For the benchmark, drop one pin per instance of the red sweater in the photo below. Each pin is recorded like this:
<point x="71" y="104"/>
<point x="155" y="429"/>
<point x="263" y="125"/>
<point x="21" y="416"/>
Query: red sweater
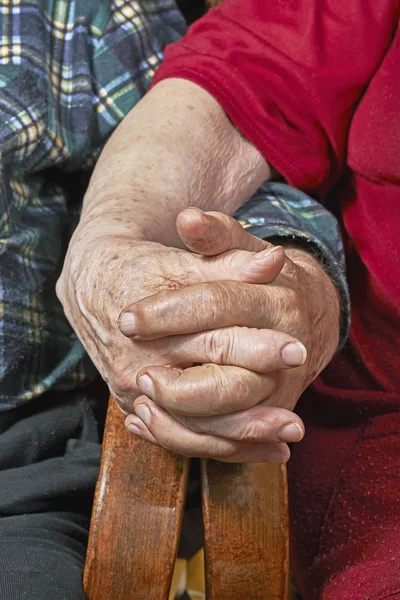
<point x="315" y="86"/>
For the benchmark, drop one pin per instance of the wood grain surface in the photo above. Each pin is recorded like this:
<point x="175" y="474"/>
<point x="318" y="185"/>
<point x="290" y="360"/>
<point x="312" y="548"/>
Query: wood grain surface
<point x="136" y="519"/>
<point x="245" y="512"/>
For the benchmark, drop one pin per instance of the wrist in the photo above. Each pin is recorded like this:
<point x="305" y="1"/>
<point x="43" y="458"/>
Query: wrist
<point x="98" y="231"/>
<point x="175" y="149"/>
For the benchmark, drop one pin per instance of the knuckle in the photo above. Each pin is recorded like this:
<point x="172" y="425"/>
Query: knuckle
<point x="258" y="429"/>
<point x="142" y="311"/>
<point x="230" y="452"/>
<point x="250" y="429"/>
<point x="214" y="298"/>
<point x="250" y="432"/>
<point x="218" y="346"/>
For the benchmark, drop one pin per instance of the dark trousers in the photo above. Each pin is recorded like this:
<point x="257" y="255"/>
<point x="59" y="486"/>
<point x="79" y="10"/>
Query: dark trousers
<point x="49" y="458"/>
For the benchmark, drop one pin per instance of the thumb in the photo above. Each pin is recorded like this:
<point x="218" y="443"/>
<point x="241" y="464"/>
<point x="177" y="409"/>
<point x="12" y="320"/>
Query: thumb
<point x="226" y="249"/>
<point x="212" y="233"/>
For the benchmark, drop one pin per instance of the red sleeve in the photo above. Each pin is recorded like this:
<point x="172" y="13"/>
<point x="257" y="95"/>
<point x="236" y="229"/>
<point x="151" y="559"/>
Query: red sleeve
<point x="289" y="74"/>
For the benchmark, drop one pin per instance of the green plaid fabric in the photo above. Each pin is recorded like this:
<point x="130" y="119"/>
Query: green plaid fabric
<point x="70" y="70"/>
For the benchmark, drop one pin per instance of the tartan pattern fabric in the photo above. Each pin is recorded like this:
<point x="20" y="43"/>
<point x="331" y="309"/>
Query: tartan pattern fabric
<point x="70" y="70"/>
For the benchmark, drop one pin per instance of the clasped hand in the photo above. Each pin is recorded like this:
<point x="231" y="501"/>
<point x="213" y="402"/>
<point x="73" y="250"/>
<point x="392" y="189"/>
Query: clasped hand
<point x="211" y="357"/>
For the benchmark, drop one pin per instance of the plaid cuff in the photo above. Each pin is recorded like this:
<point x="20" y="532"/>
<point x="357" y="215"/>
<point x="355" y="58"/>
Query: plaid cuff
<point x="278" y="211"/>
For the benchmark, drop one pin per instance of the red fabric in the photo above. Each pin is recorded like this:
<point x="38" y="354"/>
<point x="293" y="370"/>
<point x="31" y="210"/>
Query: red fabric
<point x="289" y="73"/>
<point x="344" y="484"/>
<point x="315" y="86"/>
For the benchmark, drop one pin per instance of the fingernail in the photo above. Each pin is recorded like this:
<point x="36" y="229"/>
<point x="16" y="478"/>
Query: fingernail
<point x="264" y="254"/>
<point x="146" y="385"/>
<point x="292" y="432"/>
<point x="135" y="430"/>
<point x="294" y="354"/>
<point x="143" y="412"/>
<point x="127" y="324"/>
<point x="276" y="457"/>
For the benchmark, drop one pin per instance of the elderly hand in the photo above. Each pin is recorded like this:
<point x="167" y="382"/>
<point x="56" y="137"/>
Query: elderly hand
<point x="105" y="273"/>
<point x="235" y="406"/>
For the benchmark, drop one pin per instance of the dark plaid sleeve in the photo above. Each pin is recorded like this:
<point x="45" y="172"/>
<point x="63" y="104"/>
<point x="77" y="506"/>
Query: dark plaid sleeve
<point x="279" y="212"/>
<point x="69" y="73"/>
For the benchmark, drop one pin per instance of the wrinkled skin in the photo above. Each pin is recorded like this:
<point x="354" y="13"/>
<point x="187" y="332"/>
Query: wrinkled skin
<point x="227" y="310"/>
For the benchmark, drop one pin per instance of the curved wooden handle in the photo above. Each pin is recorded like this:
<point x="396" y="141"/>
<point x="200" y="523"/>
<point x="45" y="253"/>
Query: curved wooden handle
<point x="137" y="516"/>
<point x="245" y="512"/>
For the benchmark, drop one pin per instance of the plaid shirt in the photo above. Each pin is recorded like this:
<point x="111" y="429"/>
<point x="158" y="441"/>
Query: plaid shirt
<point x="70" y="70"/>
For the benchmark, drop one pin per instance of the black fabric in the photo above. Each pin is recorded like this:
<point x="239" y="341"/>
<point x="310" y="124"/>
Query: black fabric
<point x="192" y="533"/>
<point x="191" y="9"/>
<point x="49" y="459"/>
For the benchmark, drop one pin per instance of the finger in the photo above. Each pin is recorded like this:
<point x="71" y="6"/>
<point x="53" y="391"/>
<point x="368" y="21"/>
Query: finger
<point x="207" y="306"/>
<point x="239" y="265"/>
<point x="124" y="397"/>
<point x="172" y="435"/>
<point x="211" y="233"/>
<point x="229" y="247"/>
<point x="236" y="265"/>
<point x="205" y="390"/>
<point x="261" y="453"/>
<point x="138" y="428"/>
<point x="122" y="383"/>
<point x="257" y="424"/>
<point x="261" y="350"/>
